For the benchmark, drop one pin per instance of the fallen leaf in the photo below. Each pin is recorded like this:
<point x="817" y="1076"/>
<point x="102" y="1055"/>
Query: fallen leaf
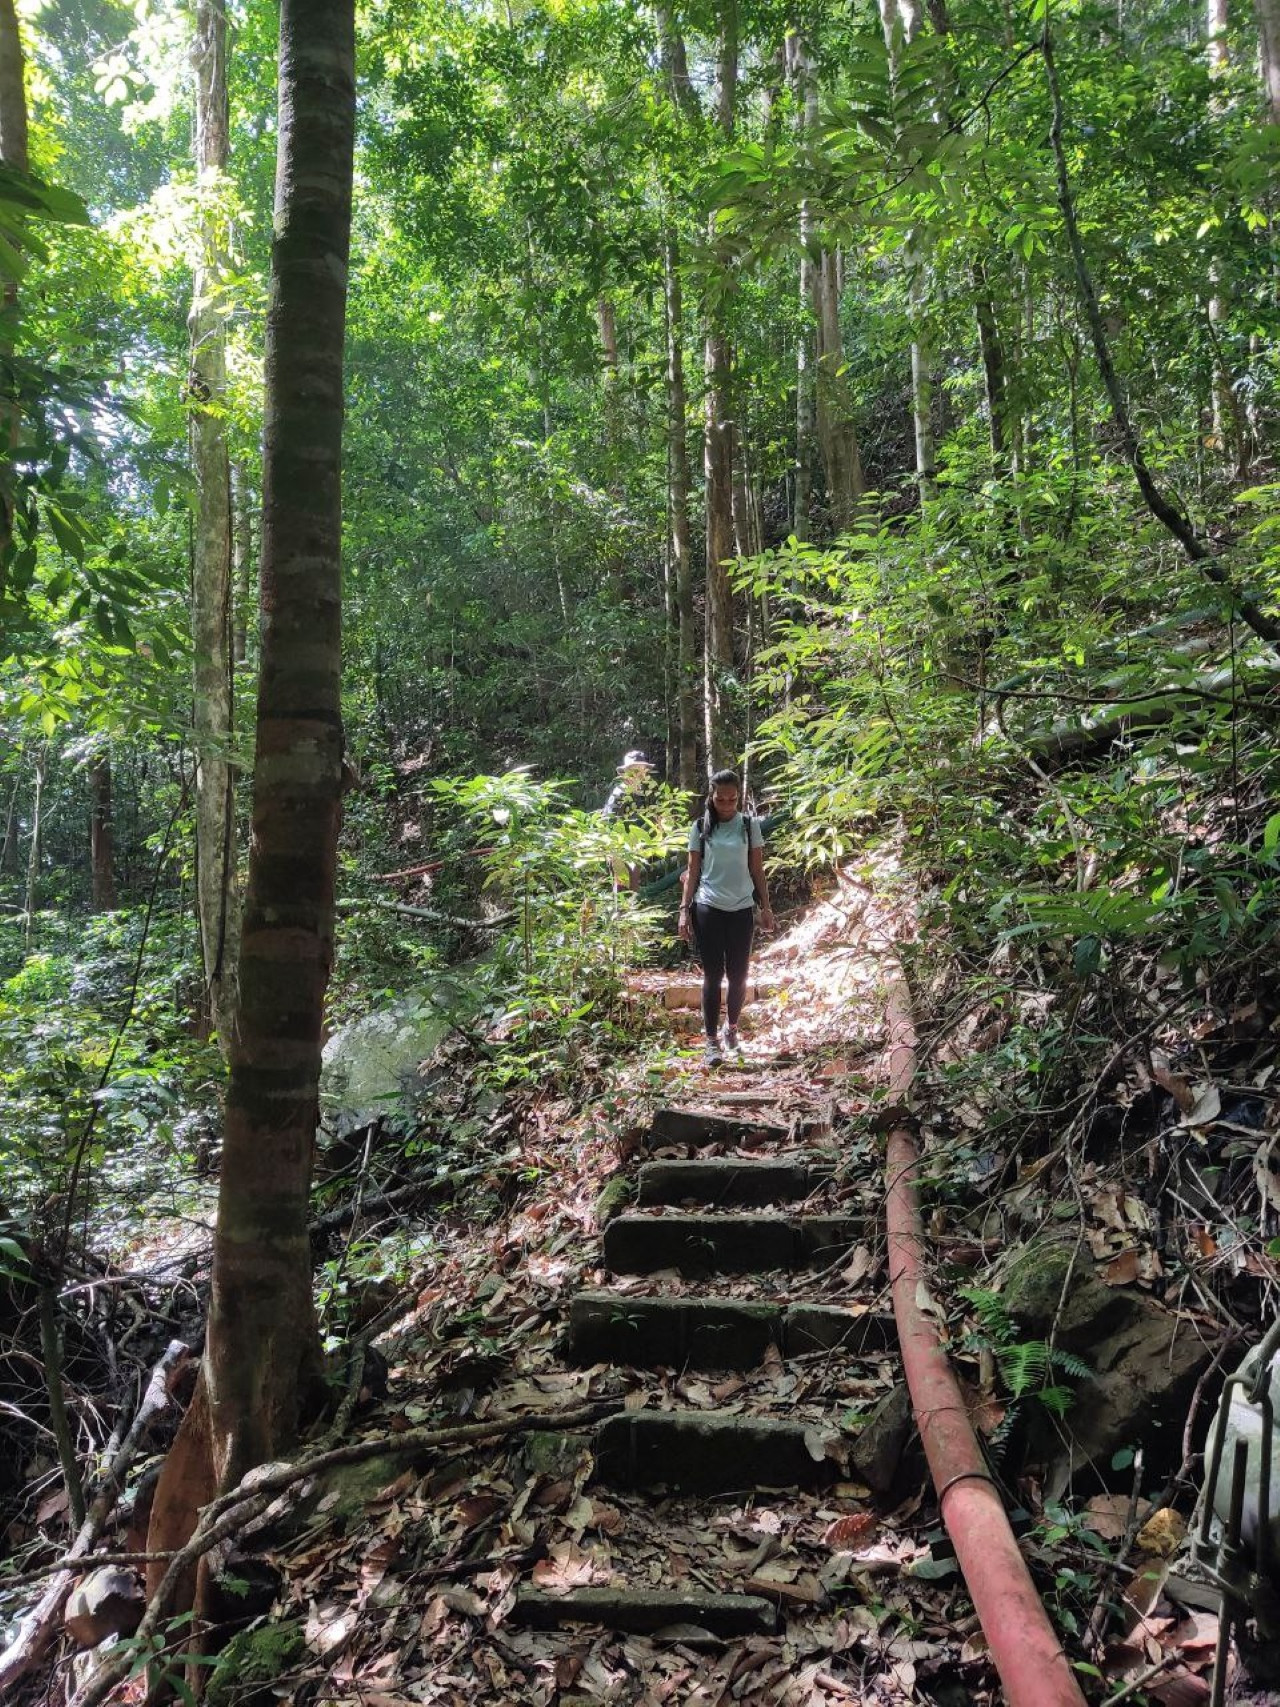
<point x="1207" y="1106"/>
<point x="852" y="1531"/>
<point x="1108" y="1515"/>
<point x="1122" y="1270"/>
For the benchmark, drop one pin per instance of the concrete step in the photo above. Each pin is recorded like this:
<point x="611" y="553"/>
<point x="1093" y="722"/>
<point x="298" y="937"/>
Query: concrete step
<point x="726" y="1244"/>
<point x="647" y="1612"/>
<point x="695" y="1126"/>
<point x="720" y="1181"/>
<point x="706" y="1452"/>
<point x="713" y="1333"/>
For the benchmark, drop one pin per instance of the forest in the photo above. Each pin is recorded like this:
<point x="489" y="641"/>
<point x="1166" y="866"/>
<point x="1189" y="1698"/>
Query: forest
<point x="407" y="411"/>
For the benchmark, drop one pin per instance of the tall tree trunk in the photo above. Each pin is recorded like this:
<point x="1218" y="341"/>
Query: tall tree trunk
<point x="102" y="835"/>
<point x="1228" y="423"/>
<point x="992" y="353"/>
<point x="262" y="1334"/>
<point x="1268" y="14"/>
<point x="717" y="444"/>
<point x="241" y="562"/>
<point x="806" y="87"/>
<point x="33" y="850"/>
<point x="681" y="541"/>
<point x="217" y="887"/>
<point x="899" y="20"/>
<point x="837" y="435"/>
<point x="14" y="153"/>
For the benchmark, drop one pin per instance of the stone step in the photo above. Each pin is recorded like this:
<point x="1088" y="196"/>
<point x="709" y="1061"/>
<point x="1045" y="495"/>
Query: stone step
<point x="696" y="1126"/>
<point x="706" y="1452"/>
<point x="648" y="1612"/>
<point x="723" y="1180"/>
<point x="726" y="1244"/>
<point x="713" y="1333"/>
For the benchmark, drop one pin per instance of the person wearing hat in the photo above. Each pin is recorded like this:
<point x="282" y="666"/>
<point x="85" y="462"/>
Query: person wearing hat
<point x="628" y="798"/>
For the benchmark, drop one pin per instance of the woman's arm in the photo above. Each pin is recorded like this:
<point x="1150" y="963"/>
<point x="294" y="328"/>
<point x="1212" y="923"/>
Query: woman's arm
<point x="689" y="888"/>
<point x="755" y="865"/>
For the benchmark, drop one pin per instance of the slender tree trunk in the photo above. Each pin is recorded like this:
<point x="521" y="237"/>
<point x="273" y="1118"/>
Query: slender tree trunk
<point x="1268" y="14"/>
<point x="992" y="363"/>
<point x="1228" y="424"/>
<point x="241" y="562"/>
<point x="33" y="850"/>
<point x="717" y="445"/>
<point x="102" y="835"/>
<point x="14" y="153"/>
<point x="846" y="486"/>
<point x="262" y="1348"/>
<point x="806" y="86"/>
<point x="899" y="21"/>
<point x="217" y="887"/>
<point x="681" y="541"/>
<point x="9" y="865"/>
<point x="1166" y="510"/>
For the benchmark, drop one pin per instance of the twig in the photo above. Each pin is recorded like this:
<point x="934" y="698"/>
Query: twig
<point x="35" y="1631"/>
<point x="51" y="1346"/>
<point x="225" y="1515"/>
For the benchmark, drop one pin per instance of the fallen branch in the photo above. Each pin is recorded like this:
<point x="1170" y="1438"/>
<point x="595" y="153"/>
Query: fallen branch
<point x="372" y="903"/>
<point x="231" y="1511"/>
<point x="35" y="1631"/>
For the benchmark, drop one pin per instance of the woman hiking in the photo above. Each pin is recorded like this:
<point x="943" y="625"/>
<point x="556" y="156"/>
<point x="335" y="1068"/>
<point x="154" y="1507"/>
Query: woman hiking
<point x="723" y="881"/>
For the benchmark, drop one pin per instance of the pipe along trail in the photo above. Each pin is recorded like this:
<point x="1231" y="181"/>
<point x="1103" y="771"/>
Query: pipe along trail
<point x="1027" y="1654"/>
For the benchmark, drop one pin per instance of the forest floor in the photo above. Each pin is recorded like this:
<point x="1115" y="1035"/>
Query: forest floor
<point x="413" y="1593"/>
<point x="406" y="1580"/>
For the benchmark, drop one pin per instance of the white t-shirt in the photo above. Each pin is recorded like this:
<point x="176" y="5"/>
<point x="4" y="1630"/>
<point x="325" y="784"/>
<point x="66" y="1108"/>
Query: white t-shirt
<point x="726" y="878"/>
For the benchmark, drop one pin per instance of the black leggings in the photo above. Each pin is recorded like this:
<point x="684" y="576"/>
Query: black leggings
<point x="724" y="942"/>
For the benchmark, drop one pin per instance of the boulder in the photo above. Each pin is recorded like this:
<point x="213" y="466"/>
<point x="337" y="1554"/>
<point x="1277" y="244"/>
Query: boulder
<point x="1145" y="1360"/>
<point x="372" y="1067"/>
<point x="108" y="1602"/>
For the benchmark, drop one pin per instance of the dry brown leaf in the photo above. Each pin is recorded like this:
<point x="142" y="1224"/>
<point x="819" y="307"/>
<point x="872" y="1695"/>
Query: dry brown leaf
<point x="860" y="1265"/>
<point x="1179" y="1688"/>
<point x="852" y="1531"/>
<point x="567" y="1567"/>
<point x="1108" y="1515"/>
<point x="1123" y="1270"/>
<point x="986" y="1413"/>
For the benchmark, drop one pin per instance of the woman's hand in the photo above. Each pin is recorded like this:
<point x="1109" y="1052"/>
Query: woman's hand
<point x="684" y="929"/>
<point x="767" y="920"/>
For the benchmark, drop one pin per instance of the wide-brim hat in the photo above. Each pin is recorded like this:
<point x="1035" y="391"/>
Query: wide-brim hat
<point x="634" y="760"/>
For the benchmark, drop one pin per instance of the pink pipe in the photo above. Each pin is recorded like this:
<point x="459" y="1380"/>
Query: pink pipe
<point x="1027" y="1654"/>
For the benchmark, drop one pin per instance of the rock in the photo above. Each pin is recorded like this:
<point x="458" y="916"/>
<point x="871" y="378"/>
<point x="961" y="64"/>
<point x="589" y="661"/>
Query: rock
<point x="109" y="1602"/>
<point x="337" y="1495"/>
<point x="615" y="1197"/>
<point x="372" y="1067"/>
<point x="1145" y="1362"/>
<point x="882" y="1440"/>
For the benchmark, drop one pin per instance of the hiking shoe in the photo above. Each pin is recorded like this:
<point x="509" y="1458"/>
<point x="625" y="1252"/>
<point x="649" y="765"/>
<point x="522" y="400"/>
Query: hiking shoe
<point x="731" y="1038"/>
<point x="714" y="1055"/>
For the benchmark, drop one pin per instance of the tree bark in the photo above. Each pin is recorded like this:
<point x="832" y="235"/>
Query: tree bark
<point x="13" y="152"/>
<point x="102" y="835"/>
<point x="217" y="886"/>
<point x="262" y="1342"/>
<point x="806" y="87"/>
<point x="837" y="435"/>
<point x="992" y="354"/>
<point x="681" y="540"/>
<point x="241" y="562"/>
<point x="899" y="21"/>
<point x="717" y="444"/>
<point x="1268" y="15"/>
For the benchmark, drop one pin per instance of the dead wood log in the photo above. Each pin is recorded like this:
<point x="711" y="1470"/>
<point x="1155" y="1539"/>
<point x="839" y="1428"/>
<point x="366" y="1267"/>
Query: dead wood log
<point x="1081" y="741"/>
